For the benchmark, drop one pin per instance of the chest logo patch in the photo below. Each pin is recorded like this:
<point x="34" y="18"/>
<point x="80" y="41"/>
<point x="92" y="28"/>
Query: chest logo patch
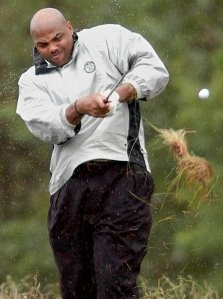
<point x="89" y="67"/>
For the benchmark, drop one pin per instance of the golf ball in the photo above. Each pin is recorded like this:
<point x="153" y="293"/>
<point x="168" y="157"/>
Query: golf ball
<point x="204" y="94"/>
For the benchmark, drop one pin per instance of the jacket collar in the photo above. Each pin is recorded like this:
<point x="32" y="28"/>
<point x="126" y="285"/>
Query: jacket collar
<point x="41" y="65"/>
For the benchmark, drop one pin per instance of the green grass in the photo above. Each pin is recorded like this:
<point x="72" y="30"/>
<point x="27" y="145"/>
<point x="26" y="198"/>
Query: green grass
<point x="185" y="288"/>
<point x="27" y="288"/>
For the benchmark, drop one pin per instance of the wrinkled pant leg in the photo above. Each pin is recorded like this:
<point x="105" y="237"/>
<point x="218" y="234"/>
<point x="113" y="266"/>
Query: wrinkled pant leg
<point x="71" y="243"/>
<point x="120" y="240"/>
<point x="75" y="266"/>
<point x="117" y="266"/>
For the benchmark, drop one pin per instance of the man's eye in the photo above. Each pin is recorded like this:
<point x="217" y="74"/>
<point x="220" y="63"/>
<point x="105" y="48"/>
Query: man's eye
<point x="57" y="38"/>
<point x="42" y="46"/>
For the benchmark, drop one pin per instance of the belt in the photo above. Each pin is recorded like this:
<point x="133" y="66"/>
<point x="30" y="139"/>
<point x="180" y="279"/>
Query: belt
<point x="98" y="165"/>
<point x="101" y="165"/>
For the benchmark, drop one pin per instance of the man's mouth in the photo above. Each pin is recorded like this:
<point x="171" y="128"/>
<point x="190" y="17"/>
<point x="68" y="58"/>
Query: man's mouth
<point x="56" y="55"/>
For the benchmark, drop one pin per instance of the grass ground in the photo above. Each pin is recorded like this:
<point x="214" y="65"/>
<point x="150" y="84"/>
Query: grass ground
<point x="185" y="288"/>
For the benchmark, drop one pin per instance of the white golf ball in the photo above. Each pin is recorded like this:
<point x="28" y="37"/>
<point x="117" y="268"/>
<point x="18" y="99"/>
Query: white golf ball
<point x="204" y="94"/>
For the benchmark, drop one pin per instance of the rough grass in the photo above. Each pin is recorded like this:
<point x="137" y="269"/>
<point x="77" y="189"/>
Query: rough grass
<point x="185" y="288"/>
<point x="27" y="288"/>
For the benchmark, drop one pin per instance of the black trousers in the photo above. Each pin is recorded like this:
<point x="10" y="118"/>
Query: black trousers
<point x="99" y="224"/>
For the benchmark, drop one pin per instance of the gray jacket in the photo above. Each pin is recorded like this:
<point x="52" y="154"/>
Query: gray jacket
<point x="101" y="55"/>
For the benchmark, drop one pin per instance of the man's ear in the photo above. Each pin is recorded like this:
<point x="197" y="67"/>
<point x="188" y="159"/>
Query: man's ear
<point x="70" y="26"/>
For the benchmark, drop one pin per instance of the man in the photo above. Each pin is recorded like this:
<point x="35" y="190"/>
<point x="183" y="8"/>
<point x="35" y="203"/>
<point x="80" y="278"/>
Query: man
<point x="100" y="216"/>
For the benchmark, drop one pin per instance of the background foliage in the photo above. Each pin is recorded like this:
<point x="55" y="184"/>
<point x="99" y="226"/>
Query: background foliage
<point x="187" y="235"/>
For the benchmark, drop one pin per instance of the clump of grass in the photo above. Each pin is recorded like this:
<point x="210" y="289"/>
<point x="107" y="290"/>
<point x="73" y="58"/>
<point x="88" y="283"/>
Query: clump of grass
<point x="175" y="140"/>
<point x="191" y="169"/>
<point x="196" y="169"/>
<point x="27" y="288"/>
<point x="184" y="288"/>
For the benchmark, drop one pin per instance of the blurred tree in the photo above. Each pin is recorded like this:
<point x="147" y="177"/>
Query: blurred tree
<point x="23" y="165"/>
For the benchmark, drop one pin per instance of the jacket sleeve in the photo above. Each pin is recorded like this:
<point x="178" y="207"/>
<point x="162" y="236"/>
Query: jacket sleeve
<point x="43" y="118"/>
<point x="131" y="53"/>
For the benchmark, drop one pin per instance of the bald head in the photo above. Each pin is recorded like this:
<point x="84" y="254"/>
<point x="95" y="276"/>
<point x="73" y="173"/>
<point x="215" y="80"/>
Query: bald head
<point x="52" y="36"/>
<point x="46" y="18"/>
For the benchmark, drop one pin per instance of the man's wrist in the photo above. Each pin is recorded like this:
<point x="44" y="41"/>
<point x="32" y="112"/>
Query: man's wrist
<point x="73" y="115"/>
<point x="127" y="92"/>
<point x="77" y="110"/>
<point x="134" y="95"/>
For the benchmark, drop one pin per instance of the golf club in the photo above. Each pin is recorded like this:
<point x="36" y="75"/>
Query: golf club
<point x="114" y="87"/>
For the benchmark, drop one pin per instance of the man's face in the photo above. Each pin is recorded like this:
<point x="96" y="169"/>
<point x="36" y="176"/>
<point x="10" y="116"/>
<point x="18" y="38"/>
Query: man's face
<point x="55" y="43"/>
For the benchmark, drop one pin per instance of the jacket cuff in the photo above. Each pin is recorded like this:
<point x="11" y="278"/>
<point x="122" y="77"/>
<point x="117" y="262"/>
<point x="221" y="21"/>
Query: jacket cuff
<point x="68" y="127"/>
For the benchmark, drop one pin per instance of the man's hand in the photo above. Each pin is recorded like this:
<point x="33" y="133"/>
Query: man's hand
<point x="97" y="105"/>
<point x="94" y="105"/>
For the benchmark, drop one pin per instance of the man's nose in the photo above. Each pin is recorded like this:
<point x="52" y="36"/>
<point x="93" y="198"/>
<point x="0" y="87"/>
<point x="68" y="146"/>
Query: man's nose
<point x="53" y="48"/>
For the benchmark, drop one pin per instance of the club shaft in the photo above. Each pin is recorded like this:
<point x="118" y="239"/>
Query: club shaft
<point x="115" y="86"/>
